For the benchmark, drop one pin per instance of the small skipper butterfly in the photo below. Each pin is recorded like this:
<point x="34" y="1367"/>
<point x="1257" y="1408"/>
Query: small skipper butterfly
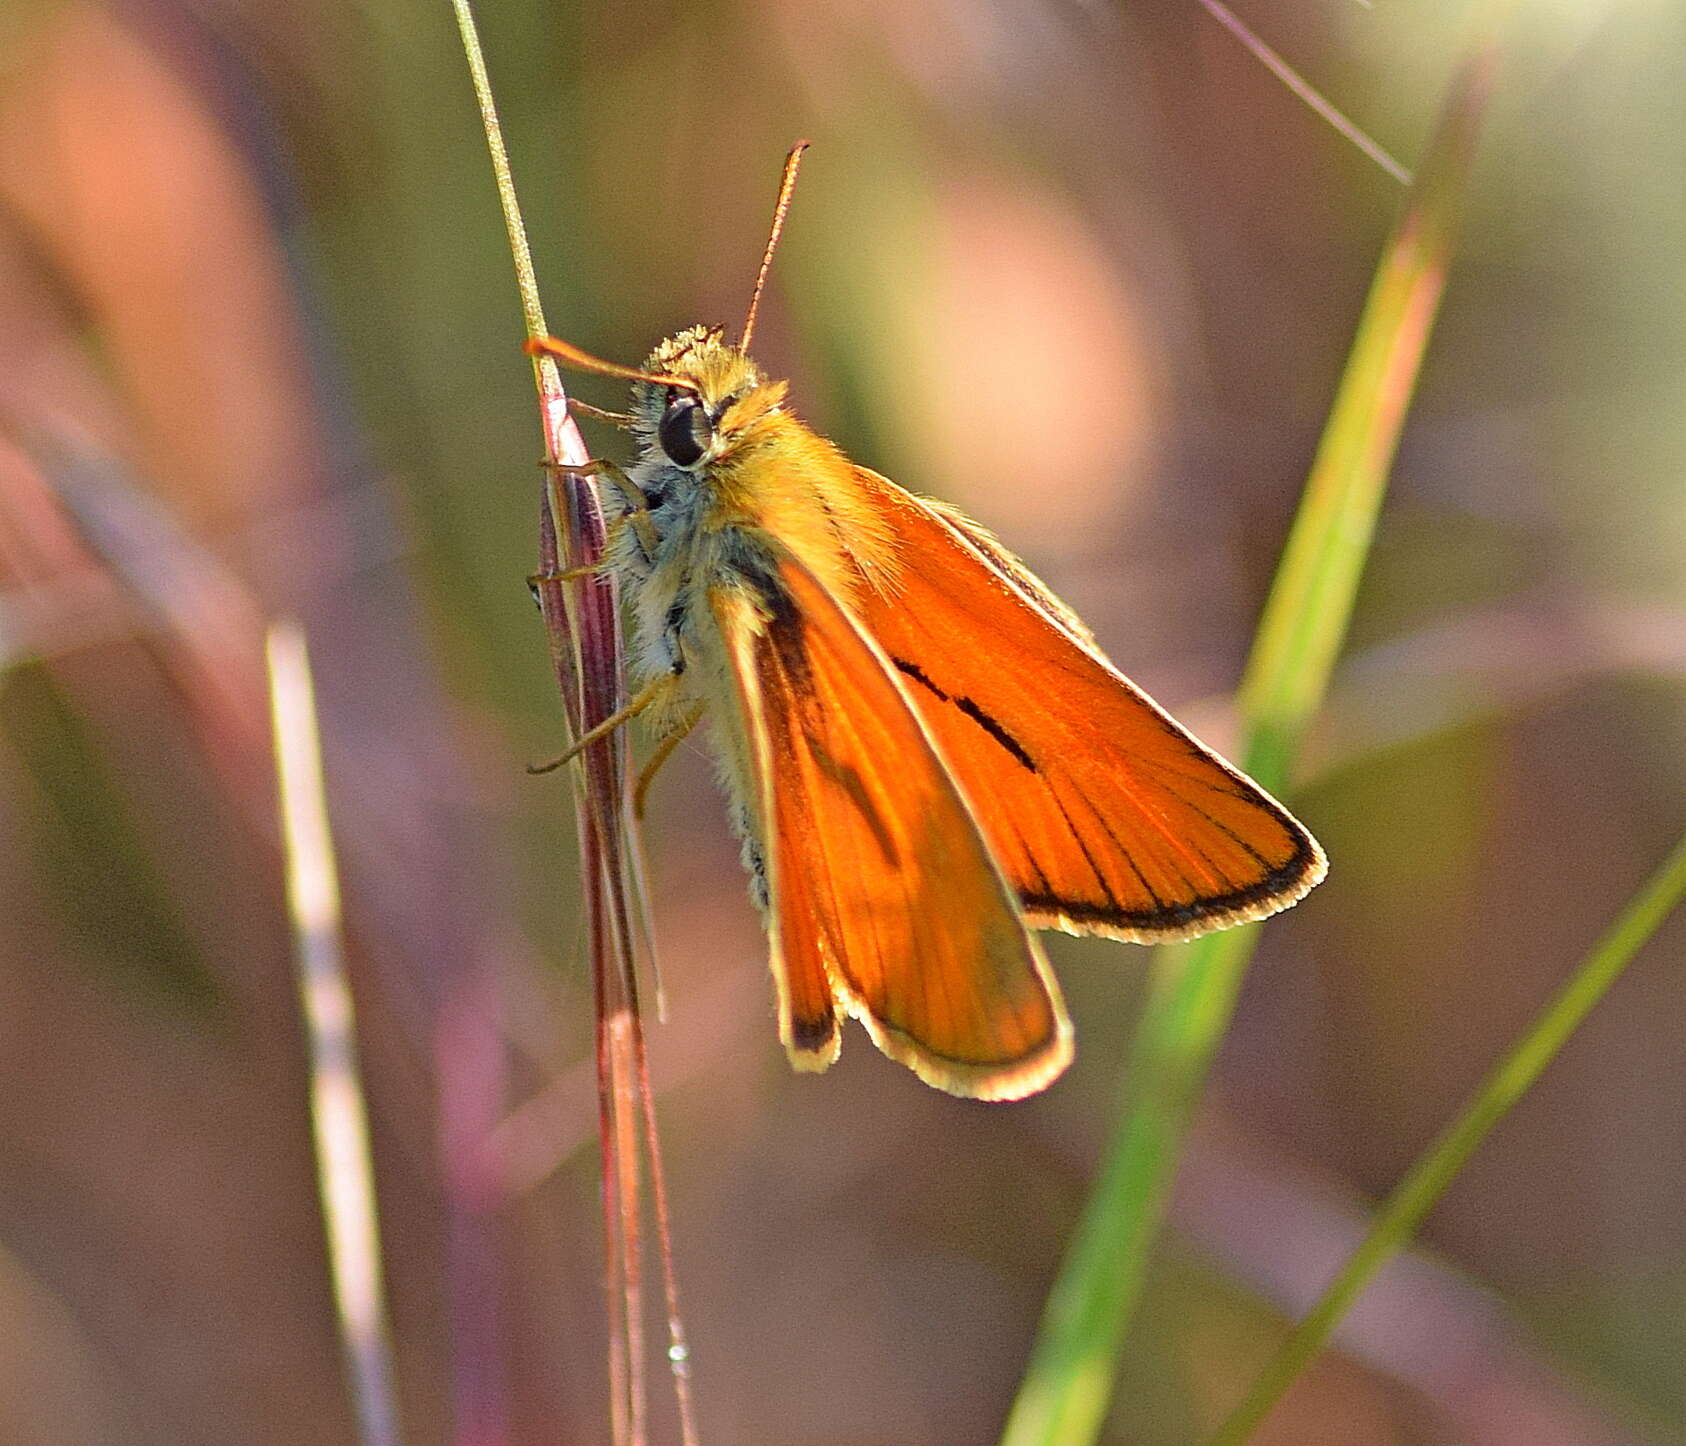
<point x="926" y="752"/>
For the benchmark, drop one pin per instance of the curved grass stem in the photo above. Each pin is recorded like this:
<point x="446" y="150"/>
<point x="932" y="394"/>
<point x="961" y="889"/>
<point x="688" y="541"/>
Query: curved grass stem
<point x="1067" y="1387"/>
<point x="1403" y="1211"/>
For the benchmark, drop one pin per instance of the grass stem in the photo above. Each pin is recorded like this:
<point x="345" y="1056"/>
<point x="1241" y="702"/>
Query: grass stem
<point x="1403" y="1211"/>
<point x="338" y="1115"/>
<point x="1067" y="1387"/>
<point x="582" y="625"/>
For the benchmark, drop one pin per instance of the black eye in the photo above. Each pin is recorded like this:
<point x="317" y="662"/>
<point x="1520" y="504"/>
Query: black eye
<point x="685" y="431"/>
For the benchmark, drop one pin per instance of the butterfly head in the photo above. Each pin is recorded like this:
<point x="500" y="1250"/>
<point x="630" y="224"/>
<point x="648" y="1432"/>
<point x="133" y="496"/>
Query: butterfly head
<point x="715" y="402"/>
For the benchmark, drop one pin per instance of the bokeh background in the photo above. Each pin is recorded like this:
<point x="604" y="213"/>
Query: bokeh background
<point x="1087" y="270"/>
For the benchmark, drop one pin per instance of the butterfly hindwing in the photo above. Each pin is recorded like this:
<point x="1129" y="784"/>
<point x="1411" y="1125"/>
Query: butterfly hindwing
<point x="882" y="891"/>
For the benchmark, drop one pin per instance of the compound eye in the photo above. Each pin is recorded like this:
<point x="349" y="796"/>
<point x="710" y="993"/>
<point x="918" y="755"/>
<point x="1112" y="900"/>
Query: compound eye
<point x="685" y="430"/>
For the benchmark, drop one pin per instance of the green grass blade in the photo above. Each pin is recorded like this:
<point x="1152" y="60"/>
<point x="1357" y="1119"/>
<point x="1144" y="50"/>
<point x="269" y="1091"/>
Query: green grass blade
<point x="1416" y="1194"/>
<point x="1067" y="1386"/>
<point x="532" y="311"/>
<point x="1310" y="604"/>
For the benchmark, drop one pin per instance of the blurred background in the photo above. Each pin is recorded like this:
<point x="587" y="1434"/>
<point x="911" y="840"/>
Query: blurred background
<point x="1087" y="270"/>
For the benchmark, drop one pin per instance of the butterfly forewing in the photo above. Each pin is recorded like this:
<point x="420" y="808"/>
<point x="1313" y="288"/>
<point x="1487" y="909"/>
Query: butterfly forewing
<point x="882" y="888"/>
<point x="1104" y="814"/>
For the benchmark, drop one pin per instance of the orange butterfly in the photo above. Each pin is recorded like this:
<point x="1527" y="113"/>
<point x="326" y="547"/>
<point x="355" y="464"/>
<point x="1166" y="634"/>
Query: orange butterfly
<point x="926" y="750"/>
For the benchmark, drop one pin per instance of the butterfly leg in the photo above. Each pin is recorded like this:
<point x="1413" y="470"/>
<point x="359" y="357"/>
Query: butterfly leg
<point x="585" y="570"/>
<point x="652" y="692"/>
<point x="664" y="751"/>
<point x="567" y="574"/>
<point x="637" y="505"/>
<point x="622" y="420"/>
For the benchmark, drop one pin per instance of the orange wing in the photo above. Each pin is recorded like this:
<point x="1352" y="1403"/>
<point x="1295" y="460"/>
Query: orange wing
<point x="884" y="898"/>
<point x="1104" y="814"/>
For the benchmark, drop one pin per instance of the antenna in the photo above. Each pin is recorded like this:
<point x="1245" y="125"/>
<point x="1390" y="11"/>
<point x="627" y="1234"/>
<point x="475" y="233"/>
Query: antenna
<point x="792" y="163"/>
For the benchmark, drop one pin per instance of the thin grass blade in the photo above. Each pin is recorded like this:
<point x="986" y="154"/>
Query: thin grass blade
<point x="1403" y="1211"/>
<point x="582" y="625"/>
<point x="1303" y="90"/>
<point x="338" y="1115"/>
<point x="1067" y="1386"/>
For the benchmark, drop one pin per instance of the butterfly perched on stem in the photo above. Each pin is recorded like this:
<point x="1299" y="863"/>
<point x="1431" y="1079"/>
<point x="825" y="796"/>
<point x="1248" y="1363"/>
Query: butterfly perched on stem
<point x="926" y="752"/>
